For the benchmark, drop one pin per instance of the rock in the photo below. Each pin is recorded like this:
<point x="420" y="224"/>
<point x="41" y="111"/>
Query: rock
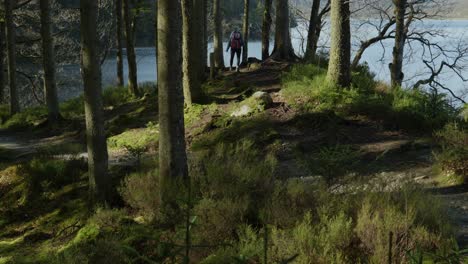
<point x="242" y="111"/>
<point x="258" y="102"/>
<point x="263" y="98"/>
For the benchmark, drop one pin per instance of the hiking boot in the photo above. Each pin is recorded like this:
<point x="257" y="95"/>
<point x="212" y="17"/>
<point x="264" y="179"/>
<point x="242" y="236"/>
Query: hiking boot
<point x="238" y="69"/>
<point x="230" y="68"/>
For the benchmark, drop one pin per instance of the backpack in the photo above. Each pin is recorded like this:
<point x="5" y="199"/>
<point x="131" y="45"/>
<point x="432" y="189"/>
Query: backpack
<point x="236" y="41"/>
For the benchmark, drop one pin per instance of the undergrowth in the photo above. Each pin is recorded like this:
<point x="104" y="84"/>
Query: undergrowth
<point x="305" y="87"/>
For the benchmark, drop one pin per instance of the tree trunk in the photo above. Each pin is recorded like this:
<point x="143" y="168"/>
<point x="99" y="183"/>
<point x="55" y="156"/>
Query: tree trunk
<point x="119" y="27"/>
<point x="172" y="156"/>
<point x="218" y="35"/>
<point x="245" y="32"/>
<point x="205" y="38"/>
<point x="131" y="57"/>
<point x="283" y="50"/>
<point x="156" y="35"/>
<point x="339" y="71"/>
<point x="266" y="27"/>
<point x="48" y="63"/>
<point x="191" y="51"/>
<point x="2" y="55"/>
<point x="99" y="181"/>
<point x="312" y="37"/>
<point x="396" y="68"/>
<point x="11" y="56"/>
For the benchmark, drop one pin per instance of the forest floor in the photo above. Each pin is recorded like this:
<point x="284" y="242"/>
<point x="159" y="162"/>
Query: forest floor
<point x="386" y="157"/>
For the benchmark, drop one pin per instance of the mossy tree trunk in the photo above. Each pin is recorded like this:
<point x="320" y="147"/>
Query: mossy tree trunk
<point x="131" y="56"/>
<point x="245" y="31"/>
<point x="48" y="63"/>
<point x="266" y="28"/>
<point x="119" y="33"/>
<point x="396" y="68"/>
<point x="172" y="156"/>
<point x="191" y="50"/>
<point x="283" y="50"/>
<point x="99" y="180"/>
<point x="312" y="37"/>
<point x="218" y="34"/>
<point x="2" y="56"/>
<point x="339" y="71"/>
<point x="11" y="56"/>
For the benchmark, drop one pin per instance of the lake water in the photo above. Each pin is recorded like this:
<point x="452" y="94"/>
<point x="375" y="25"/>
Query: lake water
<point x="378" y="56"/>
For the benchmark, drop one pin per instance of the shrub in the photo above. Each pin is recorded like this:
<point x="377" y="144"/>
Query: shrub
<point x="141" y="192"/>
<point x="453" y="156"/>
<point x="232" y="182"/>
<point x="412" y="221"/>
<point x="335" y="161"/>
<point x="325" y="242"/>
<point x="73" y="108"/>
<point x="115" y="96"/>
<point x="219" y="219"/>
<point x="306" y="89"/>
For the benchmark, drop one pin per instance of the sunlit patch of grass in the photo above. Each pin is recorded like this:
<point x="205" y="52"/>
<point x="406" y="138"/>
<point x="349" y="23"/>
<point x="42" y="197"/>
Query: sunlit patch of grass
<point x="258" y="129"/>
<point x="194" y="113"/>
<point x="146" y="138"/>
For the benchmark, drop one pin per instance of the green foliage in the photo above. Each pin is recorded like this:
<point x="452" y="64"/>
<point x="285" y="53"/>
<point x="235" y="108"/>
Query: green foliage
<point x="332" y="162"/>
<point x="410" y="219"/>
<point x="452" y="159"/>
<point x="136" y="139"/>
<point x="258" y="130"/>
<point x="42" y="175"/>
<point x="249" y="177"/>
<point x="141" y="192"/>
<point x="305" y="87"/>
<point x="27" y="118"/>
<point x="73" y="108"/>
<point x="194" y="113"/>
<point x="115" y="96"/>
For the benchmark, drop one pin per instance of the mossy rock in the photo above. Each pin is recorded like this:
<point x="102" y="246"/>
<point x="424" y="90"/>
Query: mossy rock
<point x="258" y="102"/>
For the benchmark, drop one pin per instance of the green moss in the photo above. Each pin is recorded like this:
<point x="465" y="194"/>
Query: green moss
<point x="145" y="138"/>
<point x="257" y="129"/>
<point x="29" y="117"/>
<point x="195" y="112"/>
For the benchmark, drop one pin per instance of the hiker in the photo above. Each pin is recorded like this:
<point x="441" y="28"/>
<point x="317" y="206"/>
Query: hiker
<point x="235" y="44"/>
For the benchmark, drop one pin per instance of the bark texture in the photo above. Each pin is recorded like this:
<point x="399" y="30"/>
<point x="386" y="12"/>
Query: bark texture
<point x="172" y="156"/>
<point x="130" y="41"/>
<point x="396" y="68"/>
<point x="283" y="50"/>
<point x="266" y="28"/>
<point x="99" y="182"/>
<point x="312" y="37"/>
<point x="48" y="63"/>
<point x="119" y="33"/>
<point x="218" y="35"/>
<point x="11" y="56"/>
<point x="2" y="61"/>
<point x="191" y="51"/>
<point x="339" y="71"/>
<point x="205" y="38"/>
<point x="245" y="31"/>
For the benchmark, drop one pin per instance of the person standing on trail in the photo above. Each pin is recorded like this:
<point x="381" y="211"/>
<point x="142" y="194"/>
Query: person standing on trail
<point x="235" y="44"/>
